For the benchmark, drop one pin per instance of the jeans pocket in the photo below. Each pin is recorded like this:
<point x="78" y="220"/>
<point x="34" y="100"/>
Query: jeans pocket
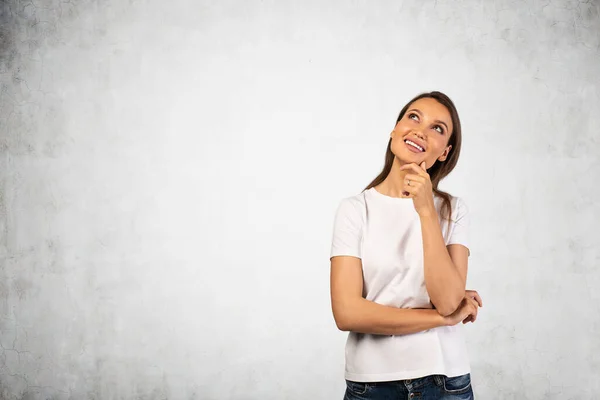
<point x="457" y="384"/>
<point x="357" y="387"/>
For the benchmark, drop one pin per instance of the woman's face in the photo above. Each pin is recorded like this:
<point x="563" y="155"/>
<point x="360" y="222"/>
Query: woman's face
<point x="428" y="125"/>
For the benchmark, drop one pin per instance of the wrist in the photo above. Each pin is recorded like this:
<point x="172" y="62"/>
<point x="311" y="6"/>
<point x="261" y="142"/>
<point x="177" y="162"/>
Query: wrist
<point x="427" y="213"/>
<point x="441" y="320"/>
<point x="444" y="321"/>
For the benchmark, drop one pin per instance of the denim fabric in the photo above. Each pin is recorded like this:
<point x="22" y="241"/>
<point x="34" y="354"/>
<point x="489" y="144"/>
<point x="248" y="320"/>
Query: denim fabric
<point x="432" y="387"/>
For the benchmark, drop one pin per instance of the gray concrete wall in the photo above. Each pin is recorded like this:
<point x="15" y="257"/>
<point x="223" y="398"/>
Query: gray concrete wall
<point x="170" y="170"/>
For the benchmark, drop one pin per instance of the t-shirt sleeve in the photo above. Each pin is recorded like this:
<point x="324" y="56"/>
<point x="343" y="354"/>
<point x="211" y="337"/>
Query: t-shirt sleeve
<point x="460" y="224"/>
<point x="347" y="230"/>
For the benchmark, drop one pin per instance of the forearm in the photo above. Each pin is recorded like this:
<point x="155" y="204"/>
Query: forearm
<point x="365" y="316"/>
<point x="443" y="282"/>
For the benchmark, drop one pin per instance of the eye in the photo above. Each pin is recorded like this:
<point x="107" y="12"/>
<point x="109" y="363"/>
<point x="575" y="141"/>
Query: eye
<point x="411" y="115"/>
<point x="439" y="129"/>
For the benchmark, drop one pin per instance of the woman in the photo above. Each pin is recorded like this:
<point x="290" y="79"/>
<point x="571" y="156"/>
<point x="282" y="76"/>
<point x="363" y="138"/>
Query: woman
<point x="399" y="266"/>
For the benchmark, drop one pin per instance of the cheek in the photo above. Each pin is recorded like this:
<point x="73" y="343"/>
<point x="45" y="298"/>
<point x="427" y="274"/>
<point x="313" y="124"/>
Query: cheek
<point x="438" y="146"/>
<point x="402" y="125"/>
<point x="398" y="145"/>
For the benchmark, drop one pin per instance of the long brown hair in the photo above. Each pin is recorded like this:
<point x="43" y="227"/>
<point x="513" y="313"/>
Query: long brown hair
<point x="440" y="169"/>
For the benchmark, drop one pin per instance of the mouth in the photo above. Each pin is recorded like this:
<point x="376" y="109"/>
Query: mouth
<point x="412" y="146"/>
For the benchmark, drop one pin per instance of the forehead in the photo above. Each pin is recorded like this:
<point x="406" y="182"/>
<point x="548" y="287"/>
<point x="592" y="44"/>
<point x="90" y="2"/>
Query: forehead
<point x="433" y="110"/>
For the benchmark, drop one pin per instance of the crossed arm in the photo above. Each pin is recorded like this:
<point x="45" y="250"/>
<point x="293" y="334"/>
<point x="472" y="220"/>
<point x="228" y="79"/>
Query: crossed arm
<point x="445" y="276"/>
<point x="445" y="267"/>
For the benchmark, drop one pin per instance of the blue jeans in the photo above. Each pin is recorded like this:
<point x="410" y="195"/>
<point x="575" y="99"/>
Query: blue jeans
<point x="432" y="387"/>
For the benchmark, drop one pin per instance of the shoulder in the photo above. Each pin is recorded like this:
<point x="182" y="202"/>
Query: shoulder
<point x="458" y="205"/>
<point x="352" y="205"/>
<point x="458" y="202"/>
<point x="459" y="208"/>
<point x="354" y="200"/>
<point x="357" y="200"/>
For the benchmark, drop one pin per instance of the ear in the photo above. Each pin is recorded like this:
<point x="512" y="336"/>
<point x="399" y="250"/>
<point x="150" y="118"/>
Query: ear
<point x="445" y="154"/>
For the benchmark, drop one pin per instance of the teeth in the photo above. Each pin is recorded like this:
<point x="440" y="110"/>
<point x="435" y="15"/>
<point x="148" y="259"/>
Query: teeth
<point x="413" y="144"/>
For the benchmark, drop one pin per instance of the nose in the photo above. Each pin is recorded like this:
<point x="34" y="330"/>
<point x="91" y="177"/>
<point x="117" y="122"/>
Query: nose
<point x="420" y="135"/>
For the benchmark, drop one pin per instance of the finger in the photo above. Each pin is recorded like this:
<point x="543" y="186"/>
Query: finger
<point x="414" y="167"/>
<point x="412" y="182"/>
<point x="473" y="306"/>
<point x="474" y="295"/>
<point x="475" y="310"/>
<point x="415" y="178"/>
<point x="474" y="302"/>
<point x="469" y="318"/>
<point x="412" y="185"/>
<point x="478" y="298"/>
<point x="423" y="165"/>
<point x="412" y="190"/>
<point x="474" y="315"/>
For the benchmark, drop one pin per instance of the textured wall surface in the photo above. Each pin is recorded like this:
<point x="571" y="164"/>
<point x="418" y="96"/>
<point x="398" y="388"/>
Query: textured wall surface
<point x="170" y="170"/>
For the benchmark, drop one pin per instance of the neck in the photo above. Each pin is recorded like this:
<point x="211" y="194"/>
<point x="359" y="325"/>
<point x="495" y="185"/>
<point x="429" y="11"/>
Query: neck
<point x="392" y="185"/>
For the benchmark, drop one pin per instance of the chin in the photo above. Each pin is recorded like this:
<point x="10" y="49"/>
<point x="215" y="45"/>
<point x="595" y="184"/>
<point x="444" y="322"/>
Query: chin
<point x="413" y="158"/>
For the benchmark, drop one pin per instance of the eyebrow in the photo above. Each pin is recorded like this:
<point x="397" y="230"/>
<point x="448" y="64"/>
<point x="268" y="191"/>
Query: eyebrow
<point x="437" y="120"/>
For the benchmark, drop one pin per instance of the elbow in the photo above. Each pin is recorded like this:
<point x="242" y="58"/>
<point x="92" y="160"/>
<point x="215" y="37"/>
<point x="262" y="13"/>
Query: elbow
<point x="342" y="326"/>
<point x="342" y="317"/>
<point x="447" y="308"/>
<point x="446" y="311"/>
<point x="342" y="323"/>
<point x="345" y="314"/>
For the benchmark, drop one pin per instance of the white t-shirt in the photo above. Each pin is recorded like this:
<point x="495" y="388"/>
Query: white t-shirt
<point x="385" y="233"/>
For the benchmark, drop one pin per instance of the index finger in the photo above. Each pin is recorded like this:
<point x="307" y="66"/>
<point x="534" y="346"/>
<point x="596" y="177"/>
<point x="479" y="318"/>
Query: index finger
<point x="474" y="295"/>
<point x="414" y="167"/>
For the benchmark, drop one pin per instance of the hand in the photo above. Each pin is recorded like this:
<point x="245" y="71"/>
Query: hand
<point x="466" y="312"/>
<point x="420" y="188"/>
<point x="475" y="296"/>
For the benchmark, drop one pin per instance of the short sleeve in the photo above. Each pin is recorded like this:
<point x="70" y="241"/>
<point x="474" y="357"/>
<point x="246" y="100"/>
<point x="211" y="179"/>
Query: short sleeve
<point x="347" y="230"/>
<point x="460" y="224"/>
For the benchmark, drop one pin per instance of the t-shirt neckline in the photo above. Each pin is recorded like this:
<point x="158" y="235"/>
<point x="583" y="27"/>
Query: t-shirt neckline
<point x="388" y="198"/>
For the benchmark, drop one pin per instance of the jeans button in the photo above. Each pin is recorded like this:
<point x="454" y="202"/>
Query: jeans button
<point x="408" y="381"/>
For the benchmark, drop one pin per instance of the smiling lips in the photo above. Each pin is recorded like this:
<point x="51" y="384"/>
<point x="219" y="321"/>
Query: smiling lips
<point x="412" y="146"/>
